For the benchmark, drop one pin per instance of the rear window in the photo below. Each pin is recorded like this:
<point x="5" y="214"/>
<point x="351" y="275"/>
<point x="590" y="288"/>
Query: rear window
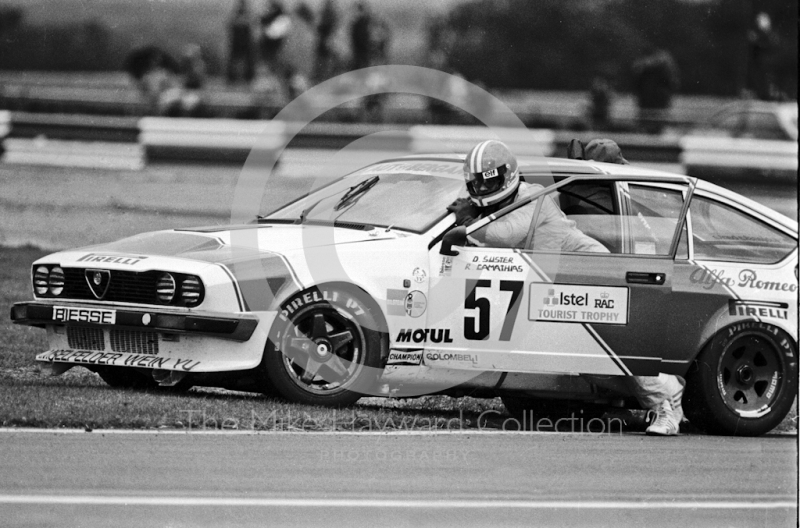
<point x="725" y="234"/>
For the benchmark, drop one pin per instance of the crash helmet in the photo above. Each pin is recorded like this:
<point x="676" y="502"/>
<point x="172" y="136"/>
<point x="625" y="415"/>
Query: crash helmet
<point x="491" y="172"/>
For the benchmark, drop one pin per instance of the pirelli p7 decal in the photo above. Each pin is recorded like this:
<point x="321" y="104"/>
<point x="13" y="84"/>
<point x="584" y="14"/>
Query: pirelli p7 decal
<point x="577" y="303"/>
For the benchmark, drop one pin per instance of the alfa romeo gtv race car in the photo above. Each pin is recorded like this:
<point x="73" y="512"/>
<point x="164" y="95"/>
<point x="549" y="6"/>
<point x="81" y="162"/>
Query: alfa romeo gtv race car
<point x="366" y="286"/>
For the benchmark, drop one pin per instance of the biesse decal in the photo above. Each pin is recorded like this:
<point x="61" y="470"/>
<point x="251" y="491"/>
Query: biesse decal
<point x="65" y="314"/>
<point x="423" y="335"/>
<point x="577" y="303"/>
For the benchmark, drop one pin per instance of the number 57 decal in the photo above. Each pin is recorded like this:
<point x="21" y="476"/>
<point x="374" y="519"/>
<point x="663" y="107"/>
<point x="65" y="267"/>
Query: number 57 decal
<point x="484" y="306"/>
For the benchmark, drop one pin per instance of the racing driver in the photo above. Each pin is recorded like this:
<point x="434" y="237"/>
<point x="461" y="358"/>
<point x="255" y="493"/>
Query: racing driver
<point x="493" y="182"/>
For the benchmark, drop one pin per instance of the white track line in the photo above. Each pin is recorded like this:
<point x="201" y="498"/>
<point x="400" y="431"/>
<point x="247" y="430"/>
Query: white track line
<point x="73" y="500"/>
<point x="235" y="432"/>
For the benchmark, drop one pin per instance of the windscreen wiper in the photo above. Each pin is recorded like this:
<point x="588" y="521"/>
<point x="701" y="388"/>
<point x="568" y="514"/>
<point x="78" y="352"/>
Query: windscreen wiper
<point x="355" y="192"/>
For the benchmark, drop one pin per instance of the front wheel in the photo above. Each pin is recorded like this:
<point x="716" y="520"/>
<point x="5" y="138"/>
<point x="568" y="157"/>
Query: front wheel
<point x="744" y="381"/>
<point x="325" y="348"/>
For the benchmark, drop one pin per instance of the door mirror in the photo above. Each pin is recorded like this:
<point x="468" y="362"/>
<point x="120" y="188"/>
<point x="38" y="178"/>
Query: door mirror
<point x="455" y="237"/>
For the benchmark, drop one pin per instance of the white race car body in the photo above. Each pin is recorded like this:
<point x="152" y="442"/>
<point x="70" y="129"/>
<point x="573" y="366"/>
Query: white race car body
<point x="496" y="318"/>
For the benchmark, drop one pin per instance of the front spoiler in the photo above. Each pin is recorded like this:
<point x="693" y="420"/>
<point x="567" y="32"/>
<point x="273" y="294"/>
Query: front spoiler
<point x="239" y="328"/>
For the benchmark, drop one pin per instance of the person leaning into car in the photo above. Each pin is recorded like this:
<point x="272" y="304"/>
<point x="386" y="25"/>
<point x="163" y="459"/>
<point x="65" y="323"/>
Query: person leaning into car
<point x="492" y="177"/>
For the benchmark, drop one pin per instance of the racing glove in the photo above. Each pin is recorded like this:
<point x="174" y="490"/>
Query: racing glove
<point x="465" y="211"/>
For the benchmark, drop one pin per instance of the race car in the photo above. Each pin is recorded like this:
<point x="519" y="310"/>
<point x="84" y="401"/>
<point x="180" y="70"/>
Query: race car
<point x="367" y="287"/>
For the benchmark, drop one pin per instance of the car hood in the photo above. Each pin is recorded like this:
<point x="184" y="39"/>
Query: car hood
<point x="225" y="244"/>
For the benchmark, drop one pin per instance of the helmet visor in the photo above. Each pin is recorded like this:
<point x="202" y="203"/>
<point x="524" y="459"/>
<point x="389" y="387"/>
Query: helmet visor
<point x="487" y="182"/>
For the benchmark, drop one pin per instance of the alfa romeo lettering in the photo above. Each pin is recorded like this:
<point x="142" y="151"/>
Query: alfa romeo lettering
<point x="84" y="315"/>
<point x="746" y="278"/>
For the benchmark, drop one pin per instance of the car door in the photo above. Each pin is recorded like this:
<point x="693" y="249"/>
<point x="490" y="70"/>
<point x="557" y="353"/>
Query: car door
<point x="580" y="310"/>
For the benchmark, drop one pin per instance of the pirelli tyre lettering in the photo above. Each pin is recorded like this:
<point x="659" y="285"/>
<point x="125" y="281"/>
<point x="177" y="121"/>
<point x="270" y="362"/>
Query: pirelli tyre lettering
<point x="744" y="381"/>
<point x="325" y="348"/>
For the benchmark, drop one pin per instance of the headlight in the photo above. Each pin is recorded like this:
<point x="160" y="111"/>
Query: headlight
<point x="40" y="280"/>
<point x="56" y="281"/>
<point x="191" y="290"/>
<point x="165" y="288"/>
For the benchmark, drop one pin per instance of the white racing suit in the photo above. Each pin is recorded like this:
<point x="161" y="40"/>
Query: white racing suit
<point x="554" y="231"/>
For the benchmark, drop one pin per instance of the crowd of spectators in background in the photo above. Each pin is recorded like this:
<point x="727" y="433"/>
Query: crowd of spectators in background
<point x="258" y="32"/>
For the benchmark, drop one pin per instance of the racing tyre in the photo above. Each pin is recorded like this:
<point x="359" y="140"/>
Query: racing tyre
<point x="325" y="348"/>
<point x="744" y="381"/>
<point x="574" y="414"/>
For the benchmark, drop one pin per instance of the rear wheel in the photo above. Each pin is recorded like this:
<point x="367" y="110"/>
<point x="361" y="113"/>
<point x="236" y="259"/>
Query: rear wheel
<point x="325" y="349"/>
<point x="744" y="381"/>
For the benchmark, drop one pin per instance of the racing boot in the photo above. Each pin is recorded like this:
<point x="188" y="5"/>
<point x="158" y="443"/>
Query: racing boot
<point x="677" y="406"/>
<point x="667" y="421"/>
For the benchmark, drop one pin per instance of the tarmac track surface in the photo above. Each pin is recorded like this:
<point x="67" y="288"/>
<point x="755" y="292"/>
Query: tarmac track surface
<point x="450" y="479"/>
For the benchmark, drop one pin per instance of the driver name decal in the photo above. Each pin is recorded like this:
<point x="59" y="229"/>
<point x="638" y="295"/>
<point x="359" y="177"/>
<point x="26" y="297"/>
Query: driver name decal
<point x="577" y="304"/>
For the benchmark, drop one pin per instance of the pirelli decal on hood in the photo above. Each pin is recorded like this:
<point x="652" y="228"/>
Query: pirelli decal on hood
<point x="577" y="303"/>
<point x="128" y="260"/>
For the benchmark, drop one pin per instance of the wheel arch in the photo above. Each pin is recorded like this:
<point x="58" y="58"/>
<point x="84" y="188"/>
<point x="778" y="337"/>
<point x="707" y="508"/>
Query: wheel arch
<point x="723" y="321"/>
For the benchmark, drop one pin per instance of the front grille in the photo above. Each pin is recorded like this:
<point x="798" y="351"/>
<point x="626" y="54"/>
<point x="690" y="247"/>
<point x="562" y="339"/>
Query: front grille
<point x="134" y="342"/>
<point x="85" y="338"/>
<point x="125" y="286"/>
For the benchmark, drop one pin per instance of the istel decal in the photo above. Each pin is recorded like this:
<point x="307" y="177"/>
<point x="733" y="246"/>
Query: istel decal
<point x="578" y="304"/>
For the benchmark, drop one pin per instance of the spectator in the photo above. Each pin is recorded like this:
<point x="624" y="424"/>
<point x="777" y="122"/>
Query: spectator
<point x="193" y="72"/>
<point x="600" y="103"/>
<point x="655" y="79"/>
<point x="361" y="37"/>
<point x="156" y="75"/>
<point x="241" y="60"/>
<point x="325" y="54"/>
<point x="275" y="27"/>
<point x="762" y="43"/>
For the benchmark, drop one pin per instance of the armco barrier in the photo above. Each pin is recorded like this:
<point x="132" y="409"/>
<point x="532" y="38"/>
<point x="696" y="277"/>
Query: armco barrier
<point x="231" y="140"/>
<point x="75" y="127"/>
<point x="83" y="154"/>
<point x="718" y="158"/>
<point x="223" y="140"/>
<point x="5" y="123"/>
<point x="431" y="138"/>
<point x="5" y="127"/>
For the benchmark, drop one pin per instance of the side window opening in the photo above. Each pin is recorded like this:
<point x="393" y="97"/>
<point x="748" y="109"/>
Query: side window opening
<point x="722" y="233"/>
<point x="592" y="207"/>
<point x="653" y="218"/>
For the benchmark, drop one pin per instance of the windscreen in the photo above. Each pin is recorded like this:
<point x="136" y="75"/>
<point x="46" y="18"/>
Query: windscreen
<point x="410" y="196"/>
